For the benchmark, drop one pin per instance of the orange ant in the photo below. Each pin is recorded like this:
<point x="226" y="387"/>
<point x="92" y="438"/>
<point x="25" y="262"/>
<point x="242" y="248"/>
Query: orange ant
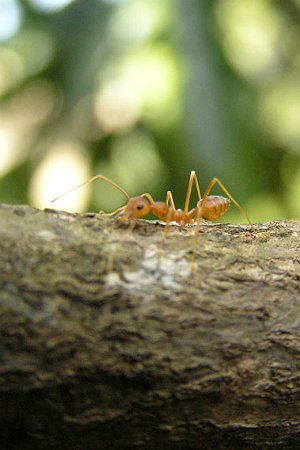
<point x="209" y="207"/>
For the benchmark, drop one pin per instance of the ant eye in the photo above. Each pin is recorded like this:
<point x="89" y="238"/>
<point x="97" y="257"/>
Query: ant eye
<point x="140" y="206"/>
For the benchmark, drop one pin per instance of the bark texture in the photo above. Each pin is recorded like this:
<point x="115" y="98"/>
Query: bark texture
<point x="109" y="340"/>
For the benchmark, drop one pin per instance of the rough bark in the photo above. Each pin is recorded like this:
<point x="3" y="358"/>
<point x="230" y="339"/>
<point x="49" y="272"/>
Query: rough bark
<point x="110" y="340"/>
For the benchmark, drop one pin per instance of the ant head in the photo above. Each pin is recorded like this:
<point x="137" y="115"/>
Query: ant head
<point x="137" y="207"/>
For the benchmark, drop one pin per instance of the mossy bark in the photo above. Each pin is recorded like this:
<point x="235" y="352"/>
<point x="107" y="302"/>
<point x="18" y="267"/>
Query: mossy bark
<point x="111" y="340"/>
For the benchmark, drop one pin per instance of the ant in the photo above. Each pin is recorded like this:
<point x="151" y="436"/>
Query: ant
<point x="209" y="207"/>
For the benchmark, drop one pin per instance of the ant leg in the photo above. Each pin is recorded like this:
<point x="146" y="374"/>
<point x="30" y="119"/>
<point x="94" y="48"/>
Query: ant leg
<point x="217" y="181"/>
<point x="170" y="201"/>
<point x="193" y="179"/>
<point x="97" y="177"/>
<point x="171" y="208"/>
<point x="113" y="213"/>
<point x="149" y="198"/>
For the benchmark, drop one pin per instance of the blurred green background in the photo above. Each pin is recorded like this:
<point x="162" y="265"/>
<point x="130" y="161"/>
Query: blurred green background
<point x="144" y="91"/>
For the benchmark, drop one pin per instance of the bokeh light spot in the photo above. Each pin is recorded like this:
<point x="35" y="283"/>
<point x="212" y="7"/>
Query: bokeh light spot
<point x="37" y="102"/>
<point x="49" y="6"/>
<point x="10" y="18"/>
<point x="138" y="20"/>
<point x="117" y="105"/>
<point x="64" y="167"/>
<point x="11" y="151"/>
<point x="251" y="30"/>
<point x="36" y="48"/>
<point x="280" y="112"/>
<point x="147" y="82"/>
<point x="12" y="69"/>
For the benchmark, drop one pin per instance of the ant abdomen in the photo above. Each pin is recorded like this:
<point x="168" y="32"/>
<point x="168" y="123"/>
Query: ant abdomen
<point x="214" y="206"/>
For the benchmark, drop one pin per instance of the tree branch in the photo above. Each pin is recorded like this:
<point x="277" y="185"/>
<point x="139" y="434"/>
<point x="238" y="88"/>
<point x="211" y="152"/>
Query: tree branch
<point x="110" y="340"/>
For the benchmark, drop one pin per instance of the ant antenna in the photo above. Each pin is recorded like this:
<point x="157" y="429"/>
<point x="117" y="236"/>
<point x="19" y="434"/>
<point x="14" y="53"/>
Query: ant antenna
<point x="97" y="177"/>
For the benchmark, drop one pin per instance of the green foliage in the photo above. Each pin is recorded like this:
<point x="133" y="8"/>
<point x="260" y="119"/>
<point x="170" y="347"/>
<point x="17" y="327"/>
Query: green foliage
<point x="144" y="91"/>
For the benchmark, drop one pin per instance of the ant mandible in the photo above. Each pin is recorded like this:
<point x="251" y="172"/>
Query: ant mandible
<point x="209" y="207"/>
